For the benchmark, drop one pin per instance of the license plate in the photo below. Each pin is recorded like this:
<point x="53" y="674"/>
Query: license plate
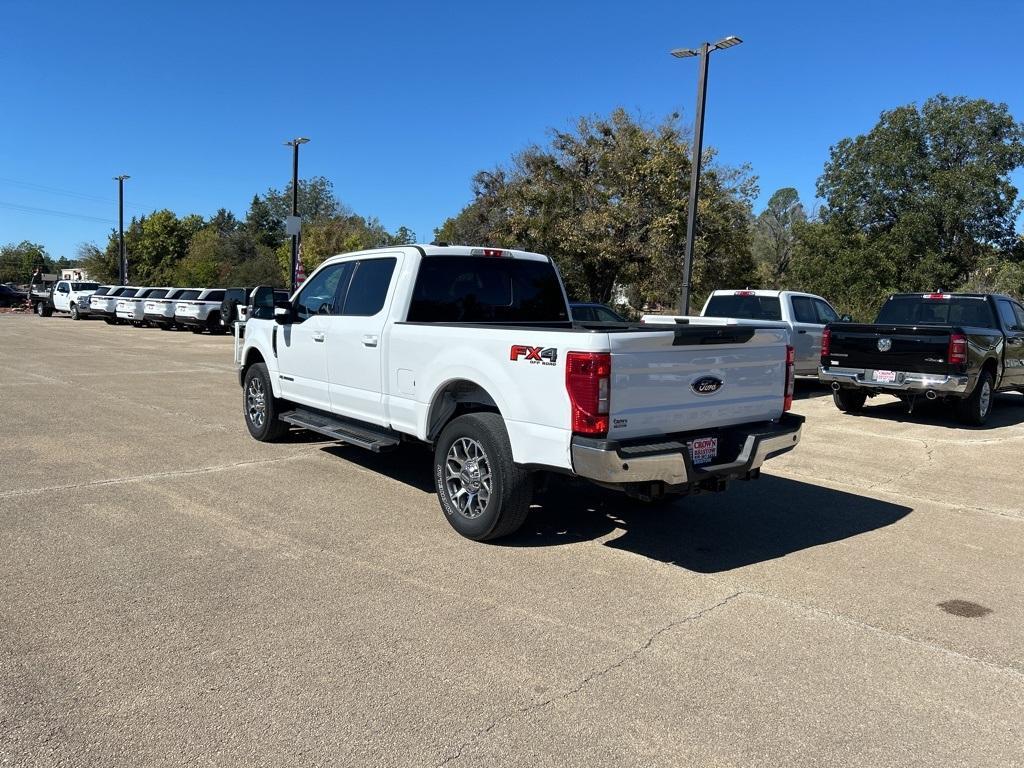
<point x="887" y="377"/>
<point x="703" y="449"/>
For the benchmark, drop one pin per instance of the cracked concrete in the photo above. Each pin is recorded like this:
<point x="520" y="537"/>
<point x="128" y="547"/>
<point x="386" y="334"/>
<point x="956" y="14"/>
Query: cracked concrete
<point x="173" y="593"/>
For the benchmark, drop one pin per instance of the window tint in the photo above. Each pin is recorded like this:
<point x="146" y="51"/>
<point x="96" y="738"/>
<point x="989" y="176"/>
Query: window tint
<point x="320" y="292"/>
<point x="917" y="310"/>
<point x="1019" y="310"/>
<point x="84" y="286"/>
<point x="803" y="310"/>
<point x="471" y="289"/>
<point x="605" y="315"/>
<point x="745" y="307"/>
<point x="214" y="296"/>
<point x="826" y="314"/>
<point x="188" y="295"/>
<point x="158" y="293"/>
<point x="62" y="287"/>
<point x="1011" y="320"/>
<point x="102" y="291"/>
<point x="369" y="287"/>
<point x="128" y="293"/>
<point x="584" y="314"/>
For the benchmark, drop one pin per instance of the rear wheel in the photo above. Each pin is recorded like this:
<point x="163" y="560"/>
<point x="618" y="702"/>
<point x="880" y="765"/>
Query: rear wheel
<point x="213" y="324"/>
<point x="42" y="309"/>
<point x="484" y="494"/>
<point x="260" y="405"/>
<point x="975" y="410"/>
<point x="849" y="400"/>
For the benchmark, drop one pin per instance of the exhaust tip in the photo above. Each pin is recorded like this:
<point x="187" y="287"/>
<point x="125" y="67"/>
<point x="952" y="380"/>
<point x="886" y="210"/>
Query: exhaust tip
<point x="930" y="394"/>
<point x="835" y="386"/>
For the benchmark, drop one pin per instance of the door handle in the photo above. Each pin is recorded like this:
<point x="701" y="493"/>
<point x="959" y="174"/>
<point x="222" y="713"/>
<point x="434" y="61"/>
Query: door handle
<point x="369" y="341"/>
<point x="318" y="336"/>
<point x="801" y="331"/>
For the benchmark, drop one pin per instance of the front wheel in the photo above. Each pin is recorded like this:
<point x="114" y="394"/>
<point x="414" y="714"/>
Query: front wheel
<point x="975" y="410"/>
<point x="260" y="405"/>
<point x="74" y="312"/>
<point x="849" y="400"/>
<point x="484" y="494"/>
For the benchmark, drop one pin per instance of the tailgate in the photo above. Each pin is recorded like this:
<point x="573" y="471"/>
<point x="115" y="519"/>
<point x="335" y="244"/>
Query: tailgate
<point x="695" y="377"/>
<point x="921" y="349"/>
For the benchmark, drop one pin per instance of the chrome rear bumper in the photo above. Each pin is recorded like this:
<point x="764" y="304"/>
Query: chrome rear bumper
<point x="906" y="381"/>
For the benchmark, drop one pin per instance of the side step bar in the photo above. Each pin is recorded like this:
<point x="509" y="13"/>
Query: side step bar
<point x="368" y="436"/>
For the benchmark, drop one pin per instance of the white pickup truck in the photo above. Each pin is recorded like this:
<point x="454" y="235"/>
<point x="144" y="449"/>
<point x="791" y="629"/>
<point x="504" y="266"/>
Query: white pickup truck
<point x="804" y="314"/>
<point x="472" y="351"/>
<point x="71" y="296"/>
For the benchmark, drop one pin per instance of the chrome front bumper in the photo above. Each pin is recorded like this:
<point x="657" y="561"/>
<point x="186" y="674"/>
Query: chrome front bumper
<point x="668" y="460"/>
<point x="906" y="381"/>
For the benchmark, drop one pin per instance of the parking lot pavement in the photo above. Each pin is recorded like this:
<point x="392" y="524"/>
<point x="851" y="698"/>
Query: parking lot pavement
<point x="174" y="593"/>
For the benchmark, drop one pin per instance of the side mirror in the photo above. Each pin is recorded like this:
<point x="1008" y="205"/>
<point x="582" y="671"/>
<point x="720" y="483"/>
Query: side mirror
<point x="262" y="303"/>
<point x="846" y="319"/>
<point x="283" y="313"/>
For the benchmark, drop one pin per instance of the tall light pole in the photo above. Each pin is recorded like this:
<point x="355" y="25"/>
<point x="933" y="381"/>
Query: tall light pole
<point x="122" y="256"/>
<point x="294" y="144"/>
<point x="698" y="145"/>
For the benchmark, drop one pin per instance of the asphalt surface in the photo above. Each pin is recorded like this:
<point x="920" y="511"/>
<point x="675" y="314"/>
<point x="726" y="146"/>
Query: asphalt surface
<point x="174" y="593"/>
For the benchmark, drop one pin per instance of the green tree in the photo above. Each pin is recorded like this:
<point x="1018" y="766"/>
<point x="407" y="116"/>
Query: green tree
<point x="608" y="201"/>
<point x="154" y="245"/>
<point x="773" y="236"/>
<point x="18" y="261"/>
<point x="99" y="265"/>
<point x="261" y="223"/>
<point x="316" y="200"/>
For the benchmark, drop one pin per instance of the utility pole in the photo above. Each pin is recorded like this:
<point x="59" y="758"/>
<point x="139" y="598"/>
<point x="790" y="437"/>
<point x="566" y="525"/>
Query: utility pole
<point x="698" y="146"/>
<point x="121" y="254"/>
<point x="294" y="225"/>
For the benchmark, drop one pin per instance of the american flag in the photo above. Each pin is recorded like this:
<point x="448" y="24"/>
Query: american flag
<point x="300" y="271"/>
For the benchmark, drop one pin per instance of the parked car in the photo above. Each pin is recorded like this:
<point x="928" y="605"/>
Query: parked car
<point x="10" y="297"/>
<point x="159" y="312"/>
<point x="804" y="314"/>
<point x="104" y="304"/>
<point x="595" y="313"/>
<point x="72" y="297"/>
<point x="473" y="351"/>
<point x="956" y="347"/>
<point x="232" y="306"/>
<point x="132" y="309"/>
<point x="201" y="313"/>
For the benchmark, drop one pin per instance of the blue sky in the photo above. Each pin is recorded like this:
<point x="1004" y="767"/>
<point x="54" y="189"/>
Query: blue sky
<point x="405" y="101"/>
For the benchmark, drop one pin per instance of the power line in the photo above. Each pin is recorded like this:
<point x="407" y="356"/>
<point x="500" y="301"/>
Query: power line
<point x="67" y="192"/>
<point x="51" y="212"/>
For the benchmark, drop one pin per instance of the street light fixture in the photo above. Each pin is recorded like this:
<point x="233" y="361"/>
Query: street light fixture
<point x="122" y="255"/>
<point x="294" y="144"/>
<point x="698" y="145"/>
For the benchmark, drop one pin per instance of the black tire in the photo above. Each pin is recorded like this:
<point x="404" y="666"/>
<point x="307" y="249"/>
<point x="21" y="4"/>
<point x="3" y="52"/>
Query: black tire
<point x="196" y="330"/>
<point x="109" y="321"/>
<point x="975" y="410"/>
<point x="214" y="326"/>
<point x="263" y="424"/>
<point x="43" y="310"/>
<point x="849" y="400"/>
<point x="482" y="440"/>
<point x="74" y="312"/>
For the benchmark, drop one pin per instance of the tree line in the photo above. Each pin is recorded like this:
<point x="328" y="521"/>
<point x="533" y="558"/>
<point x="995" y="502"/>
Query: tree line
<point x="924" y="200"/>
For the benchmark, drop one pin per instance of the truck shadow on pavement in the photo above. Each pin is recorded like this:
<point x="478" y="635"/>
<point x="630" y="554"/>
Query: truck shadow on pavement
<point x="1007" y="411"/>
<point x="709" y="533"/>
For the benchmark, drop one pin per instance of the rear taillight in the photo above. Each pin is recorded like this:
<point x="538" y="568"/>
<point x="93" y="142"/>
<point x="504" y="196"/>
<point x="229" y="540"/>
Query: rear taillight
<point x="957" y="352"/>
<point x="826" y="342"/>
<point x="787" y="400"/>
<point x="588" y="382"/>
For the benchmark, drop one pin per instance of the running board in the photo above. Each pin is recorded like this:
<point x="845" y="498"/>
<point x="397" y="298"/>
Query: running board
<point x="370" y="437"/>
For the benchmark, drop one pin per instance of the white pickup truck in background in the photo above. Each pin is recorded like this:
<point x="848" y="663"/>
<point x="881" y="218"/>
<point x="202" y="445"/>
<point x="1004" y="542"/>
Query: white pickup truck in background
<point x="70" y="296"/>
<point x="472" y="351"/>
<point x="804" y="315"/>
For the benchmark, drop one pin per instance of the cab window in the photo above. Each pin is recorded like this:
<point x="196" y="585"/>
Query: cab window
<point x="320" y="293"/>
<point x="368" y="289"/>
<point x="803" y="310"/>
<point x="826" y="314"/>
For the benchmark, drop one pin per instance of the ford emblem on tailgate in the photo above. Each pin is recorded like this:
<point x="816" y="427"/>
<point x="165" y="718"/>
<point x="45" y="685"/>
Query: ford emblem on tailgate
<point x="884" y="345"/>
<point x="706" y="385"/>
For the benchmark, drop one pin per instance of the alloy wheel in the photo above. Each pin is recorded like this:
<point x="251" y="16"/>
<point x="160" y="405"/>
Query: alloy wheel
<point x="468" y="477"/>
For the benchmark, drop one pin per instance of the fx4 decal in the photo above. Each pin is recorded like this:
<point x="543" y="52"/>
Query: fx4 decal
<point x="534" y="355"/>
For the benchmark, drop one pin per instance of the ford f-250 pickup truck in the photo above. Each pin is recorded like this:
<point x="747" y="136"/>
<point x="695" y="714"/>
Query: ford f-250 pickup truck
<point x="958" y="347"/>
<point x="473" y="352"/>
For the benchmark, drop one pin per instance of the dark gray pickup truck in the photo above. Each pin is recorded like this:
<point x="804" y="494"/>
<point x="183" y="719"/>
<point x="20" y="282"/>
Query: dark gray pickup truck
<point x="958" y="347"/>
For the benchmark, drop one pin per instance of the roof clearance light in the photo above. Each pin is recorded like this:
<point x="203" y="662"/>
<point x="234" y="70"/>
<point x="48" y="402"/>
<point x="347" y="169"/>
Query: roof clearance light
<point x="743" y="293"/>
<point x="487" y="252"/>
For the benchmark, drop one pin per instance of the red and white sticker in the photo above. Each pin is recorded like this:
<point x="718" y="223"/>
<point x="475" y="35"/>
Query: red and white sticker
<point x="703" y="449"/>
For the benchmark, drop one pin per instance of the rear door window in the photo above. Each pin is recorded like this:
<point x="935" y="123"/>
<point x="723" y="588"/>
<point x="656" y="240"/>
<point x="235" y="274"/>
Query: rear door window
<point x="744" y="307"/>
<point x="804" y="310"/>
<point x="368" y="288"/>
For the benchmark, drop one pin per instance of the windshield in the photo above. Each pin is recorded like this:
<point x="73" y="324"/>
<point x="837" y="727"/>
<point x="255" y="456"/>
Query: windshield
<point x="188" y="295"/>
<point x="918" y="310"/>
<point x="128" y="293"/>
<point x="744" y="307"/>
<point x="84" y="286"/>
<point x="469" y="289"/>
